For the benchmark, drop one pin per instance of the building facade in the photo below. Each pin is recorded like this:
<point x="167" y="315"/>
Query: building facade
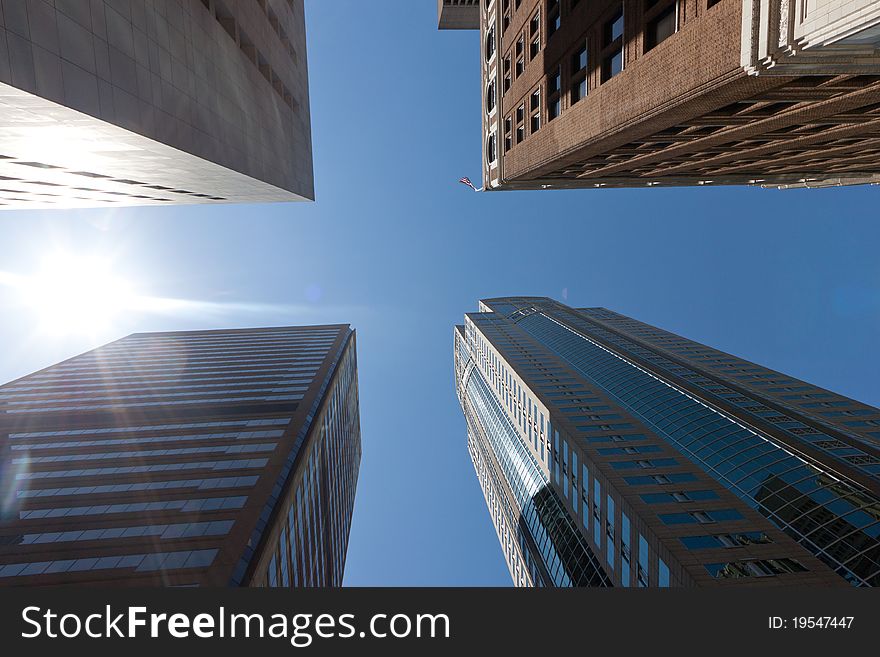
<point x="205" y="458"/>
<point x="635" y="93"/>
<point x="613" y="453"/>
<point x="131" y="102"/>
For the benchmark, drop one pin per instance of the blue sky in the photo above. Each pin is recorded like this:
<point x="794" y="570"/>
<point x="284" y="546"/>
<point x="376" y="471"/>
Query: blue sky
<point x="395" y="246"/>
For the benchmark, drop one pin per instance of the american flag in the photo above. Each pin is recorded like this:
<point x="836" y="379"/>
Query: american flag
<point x="467" y="181"/>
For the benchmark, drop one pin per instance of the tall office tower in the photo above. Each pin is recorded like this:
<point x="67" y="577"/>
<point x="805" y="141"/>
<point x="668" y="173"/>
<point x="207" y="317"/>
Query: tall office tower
<point x="629" y="93"/>
<point x="613" y="453"/>
<point x="204" y="458"/>
<point x="132" y="102"/>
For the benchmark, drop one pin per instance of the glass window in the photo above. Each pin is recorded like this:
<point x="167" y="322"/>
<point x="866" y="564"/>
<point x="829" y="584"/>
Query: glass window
<point x="662" y="574"/>
<point x="625" y="552"/>
<point x="585" y="501"/>
<point x="609" y="530"/>
<point x="642" y="571"/>
<point x="614" y="27"/>
<point x="565" y="468"/>
<point x="662" y="26"/>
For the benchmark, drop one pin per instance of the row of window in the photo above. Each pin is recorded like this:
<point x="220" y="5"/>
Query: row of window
<point x="181" y="506"/>
<point x="154" y="427"/>
<point x="198" y="484"/>
<point x="312" y="541"/>
<point x="224" y="371"/>
<point x="783" y="419"/>
<point x="789" y="492"/>
<point x="161" y="532"/>
<point x="294" y="357"/>
<point x="661" y="21"/>
<point x="240" y="435"/>
<point x="175" y="391"/>
<point x="562" y="460"/>
<point x="149" y="382"/>
<point x="177" y="451"/>
<point x="212" y="400"/>
<point x="229" y="464"/>
<point x="202" y="341"/>
<point x="164" y="561"/>
<point x="155" y="347"/>
<point x="565" y="556"/>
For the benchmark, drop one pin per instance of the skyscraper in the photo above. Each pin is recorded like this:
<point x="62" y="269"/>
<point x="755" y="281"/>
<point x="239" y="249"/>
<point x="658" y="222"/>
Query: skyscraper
<point x="131" y="102"/>
<point x="613" y="453"/>
<point x="630" y="93"/>
<point x="204" y="458"/>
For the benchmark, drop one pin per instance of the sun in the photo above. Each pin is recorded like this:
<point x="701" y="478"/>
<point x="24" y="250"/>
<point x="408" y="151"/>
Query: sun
<point x="76" y="294"/>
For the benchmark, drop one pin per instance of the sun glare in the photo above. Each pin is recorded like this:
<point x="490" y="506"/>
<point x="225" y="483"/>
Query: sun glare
<point x="76" y="294"/>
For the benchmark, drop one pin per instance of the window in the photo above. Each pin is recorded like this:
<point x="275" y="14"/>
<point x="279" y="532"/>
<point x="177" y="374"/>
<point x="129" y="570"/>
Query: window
<point x="579" y="66"/>
<point x="609" y="530"/>
<point x="273" y="571"/>
<point x="535" y="35"/>
<point x="597" y="512"/>
<point x="491" y="149"/>
<point x="554" y="108"/>
<point x="554" y="97"/>
<point x="661" y="21"/>
<point x="556" y="455"/>
<point x="679" y="478"/>
<point x="754" y="568"/>
<point x="683" y="496"/>
<point x="625" y="553"/>
<point x="612" y="46"/>
<point x="553" y="82"/>
<point x="490" y="96"/>
<point x="725" y="540"/>
<point x="564" y="458"/>
<point x="585" y="499"/>
<point x="702" y="517"/>
<point x="535" y="110"/>
<point x="506" y="73"/>
<point x="553" y="17"/>
<point x="642" y="570"/>
<point x="662" y="574"/>
<point x="508" y="132"/>
<point x="579" y="59"/>
<point x="490" y="43"/>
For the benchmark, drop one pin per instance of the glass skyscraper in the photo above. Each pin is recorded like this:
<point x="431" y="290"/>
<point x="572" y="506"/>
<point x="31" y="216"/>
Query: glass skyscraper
<point x="205" y="458"/>
<point x="613" y="453"/>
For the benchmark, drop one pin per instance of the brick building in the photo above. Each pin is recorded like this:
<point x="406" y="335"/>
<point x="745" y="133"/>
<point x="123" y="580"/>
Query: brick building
<point x="629" y="93"/>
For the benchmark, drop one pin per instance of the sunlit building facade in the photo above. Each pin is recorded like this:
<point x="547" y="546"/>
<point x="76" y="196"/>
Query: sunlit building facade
<point x="113" y="103"/>
<point x="205" y="458"/>
<point x="613" y="453"/>
<point x="646" y="93"/>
